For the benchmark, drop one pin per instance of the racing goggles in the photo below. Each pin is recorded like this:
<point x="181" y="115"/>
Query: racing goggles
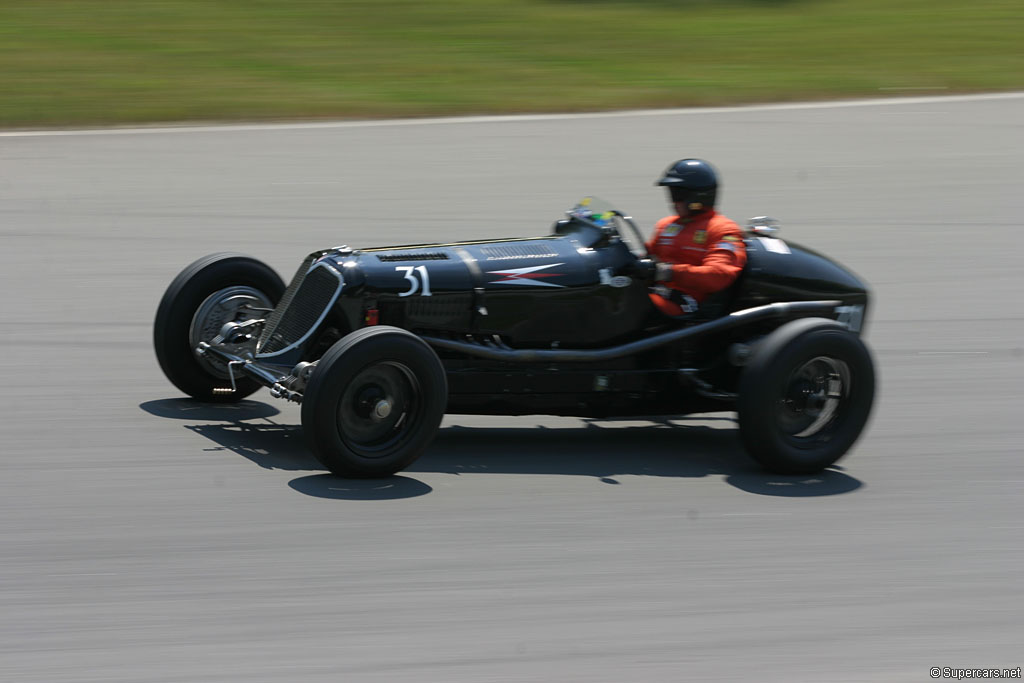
<point x="679" y="194"/>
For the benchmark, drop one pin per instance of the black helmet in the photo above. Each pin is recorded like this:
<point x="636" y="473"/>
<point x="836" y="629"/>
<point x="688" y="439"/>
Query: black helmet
<point x="693" y="181"/>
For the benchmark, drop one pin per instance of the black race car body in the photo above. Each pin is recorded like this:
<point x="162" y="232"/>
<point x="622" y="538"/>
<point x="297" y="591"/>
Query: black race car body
<point x="561" y="324"/>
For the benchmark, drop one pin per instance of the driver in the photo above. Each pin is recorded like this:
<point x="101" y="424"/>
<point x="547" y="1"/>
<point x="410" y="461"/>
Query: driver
<point x="698" y="250"/>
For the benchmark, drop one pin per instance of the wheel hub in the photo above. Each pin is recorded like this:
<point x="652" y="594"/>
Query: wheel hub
<point x="382" y="409"/>
<point x="373" y="411"/>
<point x="813" y="396"/>
<point x="374" y="403"/>
<point x="232" y="304"/>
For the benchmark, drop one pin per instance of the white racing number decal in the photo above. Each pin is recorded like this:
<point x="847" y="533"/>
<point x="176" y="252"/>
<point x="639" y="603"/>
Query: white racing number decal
<point x="419" y="284"/>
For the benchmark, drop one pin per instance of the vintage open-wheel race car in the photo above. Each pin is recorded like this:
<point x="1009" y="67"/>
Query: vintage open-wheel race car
<point x="378" y="344"/>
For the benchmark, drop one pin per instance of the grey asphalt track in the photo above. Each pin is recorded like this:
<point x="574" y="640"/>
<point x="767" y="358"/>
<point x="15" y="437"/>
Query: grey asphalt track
<point x="146" y="538"/>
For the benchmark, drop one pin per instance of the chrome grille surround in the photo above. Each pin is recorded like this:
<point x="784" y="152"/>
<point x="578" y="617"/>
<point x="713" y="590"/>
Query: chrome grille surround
<point x="303" y="307"/>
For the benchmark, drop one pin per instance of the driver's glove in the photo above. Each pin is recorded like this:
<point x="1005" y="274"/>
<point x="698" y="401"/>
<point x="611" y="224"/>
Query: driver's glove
<point x="652" y="270"/>
<point x="663" y="272"/>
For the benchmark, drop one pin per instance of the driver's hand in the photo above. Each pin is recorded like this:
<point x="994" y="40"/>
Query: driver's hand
<point x="645" y="269"/>
<point x="663" y="272"/>
<point x="653" y="270"/>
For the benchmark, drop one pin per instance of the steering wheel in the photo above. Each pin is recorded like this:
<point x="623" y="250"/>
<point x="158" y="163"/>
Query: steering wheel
<point x="609" y="221"/>
<point x="628" y="220"/>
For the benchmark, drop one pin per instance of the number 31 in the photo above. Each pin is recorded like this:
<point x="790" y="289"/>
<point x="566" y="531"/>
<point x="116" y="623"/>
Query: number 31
<point x="414" y="282"/>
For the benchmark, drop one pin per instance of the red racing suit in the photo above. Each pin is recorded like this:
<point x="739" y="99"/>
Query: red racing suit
<point x="707" y="254"/>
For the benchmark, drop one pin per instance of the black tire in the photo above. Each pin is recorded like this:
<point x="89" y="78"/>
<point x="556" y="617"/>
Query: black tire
<point x="805" y="396"/>
<point x="373" y="368"/>
<point x="188" y="293"/>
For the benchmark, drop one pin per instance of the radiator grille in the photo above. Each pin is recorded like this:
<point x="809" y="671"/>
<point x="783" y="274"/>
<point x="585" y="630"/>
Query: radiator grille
<point x="286" y="299"/>
<point x="303" y="305"/>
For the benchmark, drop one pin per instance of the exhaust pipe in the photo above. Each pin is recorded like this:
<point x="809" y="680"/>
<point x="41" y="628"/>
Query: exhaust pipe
<point x="788" y="309"/>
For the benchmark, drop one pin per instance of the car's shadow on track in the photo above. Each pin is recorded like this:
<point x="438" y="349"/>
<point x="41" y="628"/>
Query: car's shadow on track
<point x="597" y="448"/>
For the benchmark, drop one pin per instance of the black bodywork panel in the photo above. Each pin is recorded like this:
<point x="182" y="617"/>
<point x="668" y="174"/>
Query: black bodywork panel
<point x="579" y="288"/>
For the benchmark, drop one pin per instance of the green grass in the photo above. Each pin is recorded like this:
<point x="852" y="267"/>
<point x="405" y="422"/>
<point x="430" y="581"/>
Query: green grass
<point x="120" y="61"/>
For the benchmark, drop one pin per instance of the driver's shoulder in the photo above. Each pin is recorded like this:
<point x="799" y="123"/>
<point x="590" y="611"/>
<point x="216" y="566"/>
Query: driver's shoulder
<point x="665" y="222"/>
<point x="722" y="225"/>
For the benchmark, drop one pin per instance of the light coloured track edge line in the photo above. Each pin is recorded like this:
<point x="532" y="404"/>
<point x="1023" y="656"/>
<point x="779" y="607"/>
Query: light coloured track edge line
<point x="506" y="118"/>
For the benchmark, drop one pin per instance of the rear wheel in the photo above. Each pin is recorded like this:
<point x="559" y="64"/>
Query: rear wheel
<point x="214" y="290"/>
<point x="374" y="402"/>
<point x="805" y="396"/>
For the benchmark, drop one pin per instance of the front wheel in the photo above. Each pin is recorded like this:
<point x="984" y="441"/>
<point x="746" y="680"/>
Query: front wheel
<point x="214" y="290"/>
<point x="805" y="396"/>
<point x="374" y="402"/>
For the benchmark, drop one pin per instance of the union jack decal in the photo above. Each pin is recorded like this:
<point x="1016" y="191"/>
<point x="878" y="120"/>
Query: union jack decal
<point x="526" y="276"/>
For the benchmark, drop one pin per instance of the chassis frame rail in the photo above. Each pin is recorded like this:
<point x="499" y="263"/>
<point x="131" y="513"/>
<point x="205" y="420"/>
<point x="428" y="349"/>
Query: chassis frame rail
<point x="288" y="384"/>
